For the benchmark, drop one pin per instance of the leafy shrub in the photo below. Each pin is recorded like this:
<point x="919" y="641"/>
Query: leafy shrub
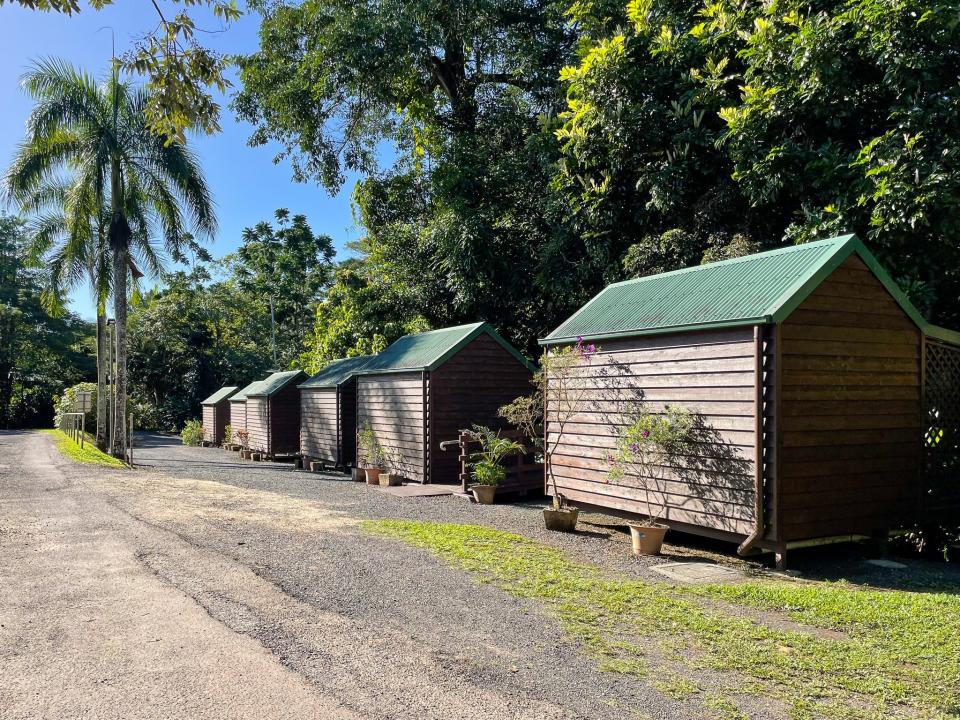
<point x="373" y="455"/>
<point x="228" y="434"/>
<point x="486" y="463"/>
<point x="192" y="433"/>
<point x="65" y="402"/>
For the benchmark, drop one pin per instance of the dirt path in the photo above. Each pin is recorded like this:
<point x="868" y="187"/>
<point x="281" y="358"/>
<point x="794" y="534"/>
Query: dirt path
<point x="88" y="631"/>
<point x="147" y="594"/>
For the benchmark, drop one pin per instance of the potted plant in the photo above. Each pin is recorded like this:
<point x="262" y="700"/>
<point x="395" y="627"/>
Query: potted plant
<point x="227" y="436"/>
<point x="565" y="398"/>
<point x="242" y="437"/>
<point x="372" y="455"/>
<point x="486" y="464"/>
<point x="649" y="446"/>
<point x="393" y="467"/>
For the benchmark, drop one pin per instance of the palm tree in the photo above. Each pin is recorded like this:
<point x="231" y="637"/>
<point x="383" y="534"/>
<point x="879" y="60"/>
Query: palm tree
<point x="67" y="235"/>
<point x="100" y="134"/>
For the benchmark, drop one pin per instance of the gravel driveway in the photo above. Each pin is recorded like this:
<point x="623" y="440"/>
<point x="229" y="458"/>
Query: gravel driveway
<point x="201" y="586"/>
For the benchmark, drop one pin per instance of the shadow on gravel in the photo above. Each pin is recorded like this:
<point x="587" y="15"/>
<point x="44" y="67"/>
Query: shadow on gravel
<point x="168" y="451"/>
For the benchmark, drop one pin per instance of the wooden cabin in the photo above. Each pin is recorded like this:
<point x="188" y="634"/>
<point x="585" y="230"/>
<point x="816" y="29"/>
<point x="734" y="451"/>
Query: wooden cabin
<point x="273" y="415"/>
<point x="805" y="367"/>
<point x="328" y="413"/>
<point x="216" y="414"/>
<point x="238" y="410"/>
<point x="423" y="389"/>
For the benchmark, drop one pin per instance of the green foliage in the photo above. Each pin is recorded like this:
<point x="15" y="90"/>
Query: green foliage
<point x="86" y="454"/>
<point x="40" y="354"/>
<point x="464" y="92"/>
<point x="372" y="452"/>
<point x="648" y="445"/>
<point x="848" y="654"/>
<point x="758" y="124"/>
<point x="192" y="433"/>
<point x="67" y="401"/>
<point x="289" y="267"/>
<point x="228" y="434"/>
<point x="181" y="72"/>
<point x="359" y="316"/>
<point x="486" y="464"/>
<point x="195" y="335"/>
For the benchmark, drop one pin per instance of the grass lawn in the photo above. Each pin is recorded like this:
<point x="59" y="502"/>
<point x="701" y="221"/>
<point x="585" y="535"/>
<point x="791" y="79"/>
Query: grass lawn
<point x="86" y="454"/>
<point x="818" y="650"/>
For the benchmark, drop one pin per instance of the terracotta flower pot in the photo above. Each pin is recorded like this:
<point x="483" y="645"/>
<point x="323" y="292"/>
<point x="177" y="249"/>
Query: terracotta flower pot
<point x="357" y="474"/>
<point x="373" y="476"/>
<point x="484" y="494"/>
<point x="561" y="520"/>
<point x="647" y="539"/>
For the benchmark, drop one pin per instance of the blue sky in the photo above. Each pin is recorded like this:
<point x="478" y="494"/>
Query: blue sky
<point x="247" y="186"/>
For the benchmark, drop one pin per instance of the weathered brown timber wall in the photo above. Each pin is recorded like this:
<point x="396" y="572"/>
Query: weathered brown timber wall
<point x="209" y="420"/>
<point x="319" y="424"/>
<point x="393" y="405"/>
<point x="850" y="443"/>
<point x="468" y="390"/>
<point x="258" y="424"/>
<point x="711" y="374"/>
<point x="215" y="420"/>
<point x="238" y="415"/>
<point x="284" y="428"/>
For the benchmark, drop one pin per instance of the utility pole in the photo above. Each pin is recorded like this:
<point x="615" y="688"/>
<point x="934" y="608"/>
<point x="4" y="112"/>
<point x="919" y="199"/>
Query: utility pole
<point x="273" y="333"/>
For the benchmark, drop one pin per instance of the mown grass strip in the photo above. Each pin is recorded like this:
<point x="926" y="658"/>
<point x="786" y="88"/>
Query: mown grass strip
<point x="897" y="654"/>
<point x="86" y="454"/>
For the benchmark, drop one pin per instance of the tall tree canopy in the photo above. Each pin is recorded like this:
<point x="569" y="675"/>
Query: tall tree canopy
<point x="778" y="122"/>
<point x="539" y="150"/>
<point x="462" y="91"/>
<point x="286" y="268"/>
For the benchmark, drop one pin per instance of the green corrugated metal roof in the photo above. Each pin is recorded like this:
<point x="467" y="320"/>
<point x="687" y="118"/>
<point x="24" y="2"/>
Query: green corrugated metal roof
<point x="244" y="391"/>
<point x="276" y="382"/>
<point x="221" y="394"/>
<point x="429" y="350"/>
<point x="337" y="371"/>
<point x="761" y="288"/>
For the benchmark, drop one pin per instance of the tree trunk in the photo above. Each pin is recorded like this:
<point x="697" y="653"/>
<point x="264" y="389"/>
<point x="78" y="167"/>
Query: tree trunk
<point x="120" y="252"/>
<point x="103" y="365"/>
<point x="119" y="235"/>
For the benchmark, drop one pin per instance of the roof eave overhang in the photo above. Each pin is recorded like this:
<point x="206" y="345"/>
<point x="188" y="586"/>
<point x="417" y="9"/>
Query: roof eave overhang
<point x="691" y="327"/>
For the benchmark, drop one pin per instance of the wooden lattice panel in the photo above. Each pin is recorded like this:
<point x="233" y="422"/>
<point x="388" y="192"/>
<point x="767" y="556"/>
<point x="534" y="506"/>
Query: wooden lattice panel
<point x="942" y="429"/>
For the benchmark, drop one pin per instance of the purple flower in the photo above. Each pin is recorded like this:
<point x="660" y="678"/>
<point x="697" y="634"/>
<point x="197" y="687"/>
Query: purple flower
<point x="635" y="447"/>
<point x="646" y="433"/>
<point x="610" y="459"/>
<point x="579" y="339"/>
<point x="591" y="348"/>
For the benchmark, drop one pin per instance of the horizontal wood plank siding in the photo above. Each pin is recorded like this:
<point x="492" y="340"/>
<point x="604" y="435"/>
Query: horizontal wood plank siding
<point x="392" y="405"/>
<point x="209" y="424"/>
<point x="468" y="390"/>
<point x="711" y="373"/>
<point x="215" y="420"/>
<point x="258" y="424"/>
<point x="285" y="421"/>
<point x="238" y="417"/>
<point x="319" y="431"/>
<point x="850" y="430"/>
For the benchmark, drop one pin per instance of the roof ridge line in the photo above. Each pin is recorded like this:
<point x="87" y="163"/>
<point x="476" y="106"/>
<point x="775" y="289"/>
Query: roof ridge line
<point x="838" y="239"/>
